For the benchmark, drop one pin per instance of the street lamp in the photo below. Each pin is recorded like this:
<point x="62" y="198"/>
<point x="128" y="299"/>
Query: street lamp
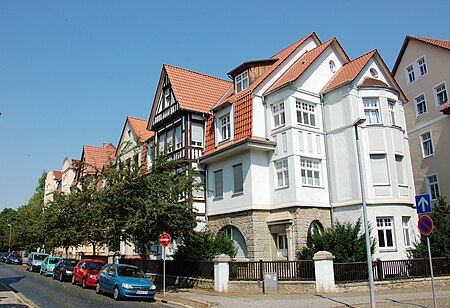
<point x="10" y="231"/>
<point x="357" y="123"/>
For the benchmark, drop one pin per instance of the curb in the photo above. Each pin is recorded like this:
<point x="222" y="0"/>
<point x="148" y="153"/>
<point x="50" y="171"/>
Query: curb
<point x="174" y="303"/>
<point x="20" y="298"/>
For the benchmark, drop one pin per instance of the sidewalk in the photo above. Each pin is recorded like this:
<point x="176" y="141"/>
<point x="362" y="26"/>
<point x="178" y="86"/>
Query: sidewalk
<point x="414" y="298"/>
<point x="11" y="298"/>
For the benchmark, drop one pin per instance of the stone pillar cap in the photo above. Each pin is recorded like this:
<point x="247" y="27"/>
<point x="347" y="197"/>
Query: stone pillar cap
<point x="222" y="258"/>
<point x="323" y="255"/>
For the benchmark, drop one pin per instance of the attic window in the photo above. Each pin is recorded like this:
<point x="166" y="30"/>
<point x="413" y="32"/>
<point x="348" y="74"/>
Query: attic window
<point x="374" y="73"/>
<point x="241" y="82"/>
<point x="332" y="66"/>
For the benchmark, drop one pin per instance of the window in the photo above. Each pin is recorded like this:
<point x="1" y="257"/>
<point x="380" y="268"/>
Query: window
<point x="410" y="74"/>
<point x="238" y="179"/>
<point x="284" y="141"/>
<point x="406" y="231"/>
<point x="385" y="230"/>
<point x="278" y="114"/>
<point x="198" y="192"/>
<point x="373" y="72"/>
<point x="421" y="104"/>
<point x="332" y="66"/>
<point x="433" y="186"/>
<point x="427" y="144"/>
<point x="306" y="114"/>
<point x="169" y="141"/>
<point x="241" y="82"/>
<point x="391" y="108"/>
<point x="310" y="171"/>
<point x="371" y="110"/>
<point x="282" y="172"/>
<point x="167" y="97"/>
<point x="218" y="184"/>
<point x="378" y="166"/>
<point x="282" y="245"/>
<point x="422" y="66"/>
<point x="400" y="169"/>
<point x="161" y="143"/>
<point x="178" y="137"/>
<point x="225" y="128"/>
<point x="197" y="134"/>
<point x="441" y="94"/>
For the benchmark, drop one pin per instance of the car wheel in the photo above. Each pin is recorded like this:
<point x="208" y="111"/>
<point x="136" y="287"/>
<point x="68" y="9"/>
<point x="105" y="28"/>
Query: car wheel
<point x="54" y="276"/>
<point x="61" y="277"/>
<point x="73" y="280"/>
<point x="83" y="283"/>
<point x="97" y="288"/>
<point x="40" y="273"/>
<point x="116" y="294"/>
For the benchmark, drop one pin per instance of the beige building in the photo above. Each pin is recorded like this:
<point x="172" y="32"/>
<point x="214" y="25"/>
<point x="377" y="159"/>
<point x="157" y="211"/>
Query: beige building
<point x="422" y="70"/>
<point x="68" y="174"/>
<point x="52" y="184"/>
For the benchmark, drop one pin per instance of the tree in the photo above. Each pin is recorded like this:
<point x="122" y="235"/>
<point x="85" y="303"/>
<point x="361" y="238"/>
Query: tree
<point x="440" y="237"/>
<point x="345" y="241"/>
<point x="204" y="246"/>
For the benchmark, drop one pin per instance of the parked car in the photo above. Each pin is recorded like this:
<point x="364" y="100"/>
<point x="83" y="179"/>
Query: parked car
<point x="34" y="261"/>
<point x="3" y="256"/>
<point x="86" y="272"/>
<point x="64" y="269"/>
<point x="14" y="259"/>
<point x="125" y="281"/>
<point x="48" y="265"/>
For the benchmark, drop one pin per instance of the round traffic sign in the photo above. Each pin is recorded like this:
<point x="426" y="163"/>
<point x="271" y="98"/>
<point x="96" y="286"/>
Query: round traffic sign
<point x="164" y="239"/>
<point x="425" y="224"/>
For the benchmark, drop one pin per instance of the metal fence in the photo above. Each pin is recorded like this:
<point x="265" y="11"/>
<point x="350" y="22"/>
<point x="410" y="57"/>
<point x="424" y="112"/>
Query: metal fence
<point x="286" y="270"/>
<point x="394" y="269"/>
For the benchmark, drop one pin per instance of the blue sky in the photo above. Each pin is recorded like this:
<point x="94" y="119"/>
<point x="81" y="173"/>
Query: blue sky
<point x="71" y="71"/>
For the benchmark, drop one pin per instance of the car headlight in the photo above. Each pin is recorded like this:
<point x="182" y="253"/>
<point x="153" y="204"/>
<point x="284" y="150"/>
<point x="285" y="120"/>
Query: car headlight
<point x="92" y="276"/>
<point x="153" y="287"/>
<point x="50" y="268"/>
<point x="69" y="272"/>
<point x="127" y="286"/>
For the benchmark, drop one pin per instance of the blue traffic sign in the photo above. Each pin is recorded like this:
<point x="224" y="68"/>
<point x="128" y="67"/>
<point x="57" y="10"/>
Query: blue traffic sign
<point x="425" y="225"/>
<point x="423" y="204"/>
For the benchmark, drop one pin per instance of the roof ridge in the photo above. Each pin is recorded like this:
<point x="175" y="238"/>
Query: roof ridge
<point x="136" y="118"/>
<point x="366" y="54"/>
<point x="198" y="73"/>
<point x="296" y="42"/>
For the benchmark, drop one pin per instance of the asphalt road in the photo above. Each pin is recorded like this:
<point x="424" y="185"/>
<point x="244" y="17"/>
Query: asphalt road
<point x="46" y="292"/>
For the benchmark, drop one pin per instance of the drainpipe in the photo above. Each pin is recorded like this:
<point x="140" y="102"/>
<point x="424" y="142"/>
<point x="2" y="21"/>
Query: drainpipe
<point x="328" y="162"/>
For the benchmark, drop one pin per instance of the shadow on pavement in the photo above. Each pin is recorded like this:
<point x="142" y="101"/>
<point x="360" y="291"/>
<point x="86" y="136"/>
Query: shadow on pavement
<point x="12" y="305"/>
<point x="405" y="303"/>
<point x="333" y="300"/>
<point x="5" y="283"/>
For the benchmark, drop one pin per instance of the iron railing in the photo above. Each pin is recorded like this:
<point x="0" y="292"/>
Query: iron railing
<point x="286" y="270"/>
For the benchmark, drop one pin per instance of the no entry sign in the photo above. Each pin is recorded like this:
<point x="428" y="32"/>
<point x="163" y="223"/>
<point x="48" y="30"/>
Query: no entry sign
<point x="425" y="225"/>
<point x="164" y="239"/>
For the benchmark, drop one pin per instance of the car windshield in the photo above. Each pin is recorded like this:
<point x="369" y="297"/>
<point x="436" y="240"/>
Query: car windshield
<point x="53" y="261"/>
<point x="126" y="271"/>
<point x="14" y="256"/>
<point x="39" y="257"/>
<point x="93" y="266"/>
<point x="70" y="262"/>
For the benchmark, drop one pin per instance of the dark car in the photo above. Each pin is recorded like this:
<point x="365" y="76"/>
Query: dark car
<point x="14" y="259"/>
<point x="64" y="269"/>
<point x="3" y="256"/>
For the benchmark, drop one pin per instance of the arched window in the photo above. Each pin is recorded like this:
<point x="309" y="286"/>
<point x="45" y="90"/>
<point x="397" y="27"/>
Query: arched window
<point x="239" y="240"/>
<point x="315" y="227"/>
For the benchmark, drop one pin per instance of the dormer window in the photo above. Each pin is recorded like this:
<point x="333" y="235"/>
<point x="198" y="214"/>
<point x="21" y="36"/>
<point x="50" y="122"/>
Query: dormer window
<point x="241" y="82"/>
<point x="225" y="127"/>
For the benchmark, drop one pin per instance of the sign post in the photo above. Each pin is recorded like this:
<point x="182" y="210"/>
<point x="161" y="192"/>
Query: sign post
<point x="164" y="241"/>
<point x="426" y="227"/>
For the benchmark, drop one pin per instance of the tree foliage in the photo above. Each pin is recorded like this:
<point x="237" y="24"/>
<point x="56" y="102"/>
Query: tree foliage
<point x="440" y="237"/>
<point x="345" y="241"/>
<point x="204" y="246"/>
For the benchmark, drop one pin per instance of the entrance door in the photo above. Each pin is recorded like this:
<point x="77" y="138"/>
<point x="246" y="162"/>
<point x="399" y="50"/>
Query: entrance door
<point x="282" y="245"/>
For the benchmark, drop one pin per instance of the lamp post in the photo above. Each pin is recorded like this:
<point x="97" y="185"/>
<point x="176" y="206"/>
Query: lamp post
<point x="364" y="210"/>
<point x="10" y="231"/>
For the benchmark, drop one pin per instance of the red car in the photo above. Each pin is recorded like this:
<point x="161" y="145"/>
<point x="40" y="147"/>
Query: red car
<point x="86" y="272"/>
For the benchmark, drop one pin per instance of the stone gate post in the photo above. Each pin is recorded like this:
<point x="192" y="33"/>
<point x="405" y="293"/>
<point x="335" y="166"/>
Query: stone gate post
<point x="221" y="272"/>
<point x="323" y="265"/>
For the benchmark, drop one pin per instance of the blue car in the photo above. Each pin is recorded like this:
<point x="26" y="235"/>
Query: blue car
<point x="124" y="281"/>
<point x="48" y="265"/>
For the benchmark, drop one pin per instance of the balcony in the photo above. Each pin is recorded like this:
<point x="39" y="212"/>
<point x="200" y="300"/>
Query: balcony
<point x="165" y="113"/>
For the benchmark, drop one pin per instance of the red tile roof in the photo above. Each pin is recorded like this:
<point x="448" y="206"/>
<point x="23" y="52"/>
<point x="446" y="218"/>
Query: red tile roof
<point x="300" y="66"/>
<point x="96" y="158"/>
<point x="367" y="82"/>
<point x="349" y="71"/>
<point x="57" y="175"/>
<point x="434" y="42"/>
<point x="195" y="91"/>
<point x="140" y="128"/>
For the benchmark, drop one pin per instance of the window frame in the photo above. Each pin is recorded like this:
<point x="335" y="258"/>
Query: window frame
<point x="384" y="229"/>
<point x="225" y="127"/>
<point x="400" y="169"/>
<point x="439" y="103"/>
<point x="306" y="108"/>
<point x="241" y="82"/>
<point x="406" y="231"/>
<point x="410" y="74"/>
<point x="312" y="166"/>
<point x="417" y="102"/>
<point x="422" y="144"/>
<point x="372" y="167"/>
<point x="435" y="183"/>
<point x="278" y="112"/>
<point x="237" y="191"/>
<point x="369" y="110"/>
<point x="195" y="142"/>
<point x="391" y="109"/>
<point x="216" y="195"/>
<point x="281" y="168"/>
<point x="422" y="67"/>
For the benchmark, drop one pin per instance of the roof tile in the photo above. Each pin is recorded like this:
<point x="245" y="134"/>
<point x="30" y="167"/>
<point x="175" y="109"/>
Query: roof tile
<point x="441" y="43"/>
<point x="98" y="157"/>
<point x="140" y="128"/>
